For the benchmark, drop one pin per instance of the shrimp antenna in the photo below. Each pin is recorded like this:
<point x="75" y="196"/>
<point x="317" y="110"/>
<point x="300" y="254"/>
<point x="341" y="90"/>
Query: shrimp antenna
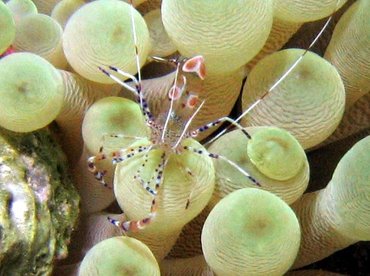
<point x="291" y="68"/>
<point x="171" y="104"/>
<point x="138" y="84"/>
<point x="119" y="81"/>
<point x="188" y="124"/>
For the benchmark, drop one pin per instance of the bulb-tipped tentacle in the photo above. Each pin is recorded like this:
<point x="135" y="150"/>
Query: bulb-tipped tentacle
<point x="277" y="83"/>
<point x="21" y="8"/>
<point x="42" y="35"/>
<point x="186" y="21"/>
<point x="31" y="93"/>
<point x="65" y="9"/>
<point x="119" y="256"/>
<point x="349" y="50"/>
<point x="86" y="49"/>
<point x="251" y="232"/>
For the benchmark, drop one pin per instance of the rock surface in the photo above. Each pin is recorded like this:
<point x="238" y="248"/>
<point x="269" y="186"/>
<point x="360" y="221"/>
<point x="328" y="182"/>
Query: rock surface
<point x="38" y="203"/>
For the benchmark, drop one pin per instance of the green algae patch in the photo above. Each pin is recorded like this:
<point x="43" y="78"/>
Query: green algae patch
<point x="38" y="203"/>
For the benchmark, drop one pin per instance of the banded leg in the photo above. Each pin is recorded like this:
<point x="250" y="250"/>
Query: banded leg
<point x="93" y="160"/>
<point x="145" y="184"/>
<point x="159" y="170"/>
<point x="157" y="178"/>
<point x="194" y="133"/>
<point x="137" y="225"/>
<point x="136" y="90"/>
<point x="118" y="80"/>
<point x="98" y="174"/>
<point x="124" y="154"/>
<point x="117" y="157"/>
<point x="119" y="136"/>
<point x="217" y="156"/>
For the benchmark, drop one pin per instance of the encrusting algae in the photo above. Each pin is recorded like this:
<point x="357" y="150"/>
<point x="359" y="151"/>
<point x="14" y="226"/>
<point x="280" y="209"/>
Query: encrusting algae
<point x="38" y="206"/>
<point x="186" y="206"/>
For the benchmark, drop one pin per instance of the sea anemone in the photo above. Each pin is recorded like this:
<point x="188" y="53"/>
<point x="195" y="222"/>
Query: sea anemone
<point x="142" y="145"/>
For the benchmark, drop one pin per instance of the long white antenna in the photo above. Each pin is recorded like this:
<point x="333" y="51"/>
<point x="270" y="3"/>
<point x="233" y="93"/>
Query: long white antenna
<point x="136" y="53"/>
<point x="188" y="124"/>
